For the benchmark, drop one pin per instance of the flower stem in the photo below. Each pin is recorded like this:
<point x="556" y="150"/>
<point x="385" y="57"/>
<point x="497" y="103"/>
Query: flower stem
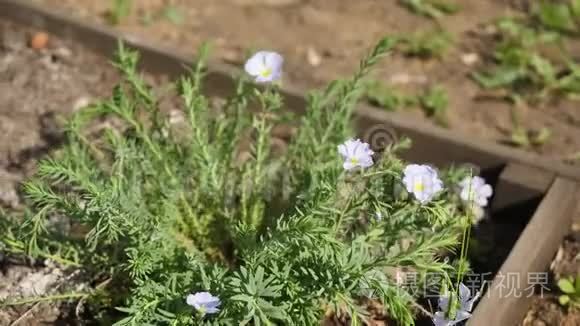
<point x="47" y="298"/>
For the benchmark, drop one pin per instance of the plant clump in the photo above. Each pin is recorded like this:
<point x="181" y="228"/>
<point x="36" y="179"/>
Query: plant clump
<point x="205" y="223"/>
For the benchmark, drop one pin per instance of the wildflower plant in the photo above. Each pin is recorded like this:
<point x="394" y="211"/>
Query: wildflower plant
<point x="204" y="223"/>
<point x="455" y="307"/>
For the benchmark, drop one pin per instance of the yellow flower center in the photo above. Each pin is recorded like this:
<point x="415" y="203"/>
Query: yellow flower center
<point x="418" y="186"/>
<point x="354" y="160"/>
<point x="266" y="72"/>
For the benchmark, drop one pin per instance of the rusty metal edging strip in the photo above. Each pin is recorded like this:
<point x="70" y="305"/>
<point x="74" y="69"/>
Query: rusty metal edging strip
<point x="433" y="141"/>
<point x="505" y="303"/>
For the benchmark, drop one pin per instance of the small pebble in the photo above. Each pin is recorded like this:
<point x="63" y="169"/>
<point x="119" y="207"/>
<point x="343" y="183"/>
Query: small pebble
<point x="81" y="102"/>
<point x="314" y="59"/>
<point x="470" y="58"/>
<point x="63" y="54"/>
<point x="39" y="41"/>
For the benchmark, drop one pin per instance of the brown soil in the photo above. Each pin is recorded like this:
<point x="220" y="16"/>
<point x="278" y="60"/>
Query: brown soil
<point x="545" y="309"/>
<point x="322" y="40"/>
<point x="20" y="280"/>
<point x="37" y="86"/>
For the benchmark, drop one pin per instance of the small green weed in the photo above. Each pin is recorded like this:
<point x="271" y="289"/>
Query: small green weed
<point x="522" y="68"/>
<point x="434" y="9"/>
<point x="571" y="289"/>
<point x="558" y="16"/>
<point x="430" y="44"/>
<point x="523" y="137"/>
<point x="120" y="9"/>
<point x="173" y="14"/>
<point x="387" y="97"/>
<point x="168" y="12"/>
<point x="433" y="101"/>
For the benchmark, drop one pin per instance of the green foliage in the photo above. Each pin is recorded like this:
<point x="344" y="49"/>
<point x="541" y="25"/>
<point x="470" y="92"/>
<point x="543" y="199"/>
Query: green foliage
<point x="120" y="9"/>
<point x="434" y="100"/>
<point x="169" y="12"/>
<point x="434" y="9"/>
<point x="524" y="137"/>
<point x="173" y="14"/>
<point x="570" y="288"/>
<point x="387" y="97"/>
<point x="575" y="8"/>
<point x="206" y="204"/>
<point x="430" y="44"/>
<point x="560" y="16"/>
<point x="556" y="15"/>
<point x="522" y="67"/>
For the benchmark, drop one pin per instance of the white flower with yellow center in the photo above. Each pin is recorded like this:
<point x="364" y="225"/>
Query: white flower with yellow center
<point x="265" y="67"/>
<point x="355" y="154"/>
<point x="474" y="189"/>
<point x="422" y="181"/>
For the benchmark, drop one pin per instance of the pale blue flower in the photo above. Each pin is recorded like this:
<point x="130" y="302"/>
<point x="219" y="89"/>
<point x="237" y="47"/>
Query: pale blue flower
<point x="466" y="302"/>
<point x="356" y="154"/>
<point x="422" y="181"/>
<point x="204" y="302"/>
<point x="265" y="66"/>
<point x="474" y="189"/>
<point x="439" y="318"/>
